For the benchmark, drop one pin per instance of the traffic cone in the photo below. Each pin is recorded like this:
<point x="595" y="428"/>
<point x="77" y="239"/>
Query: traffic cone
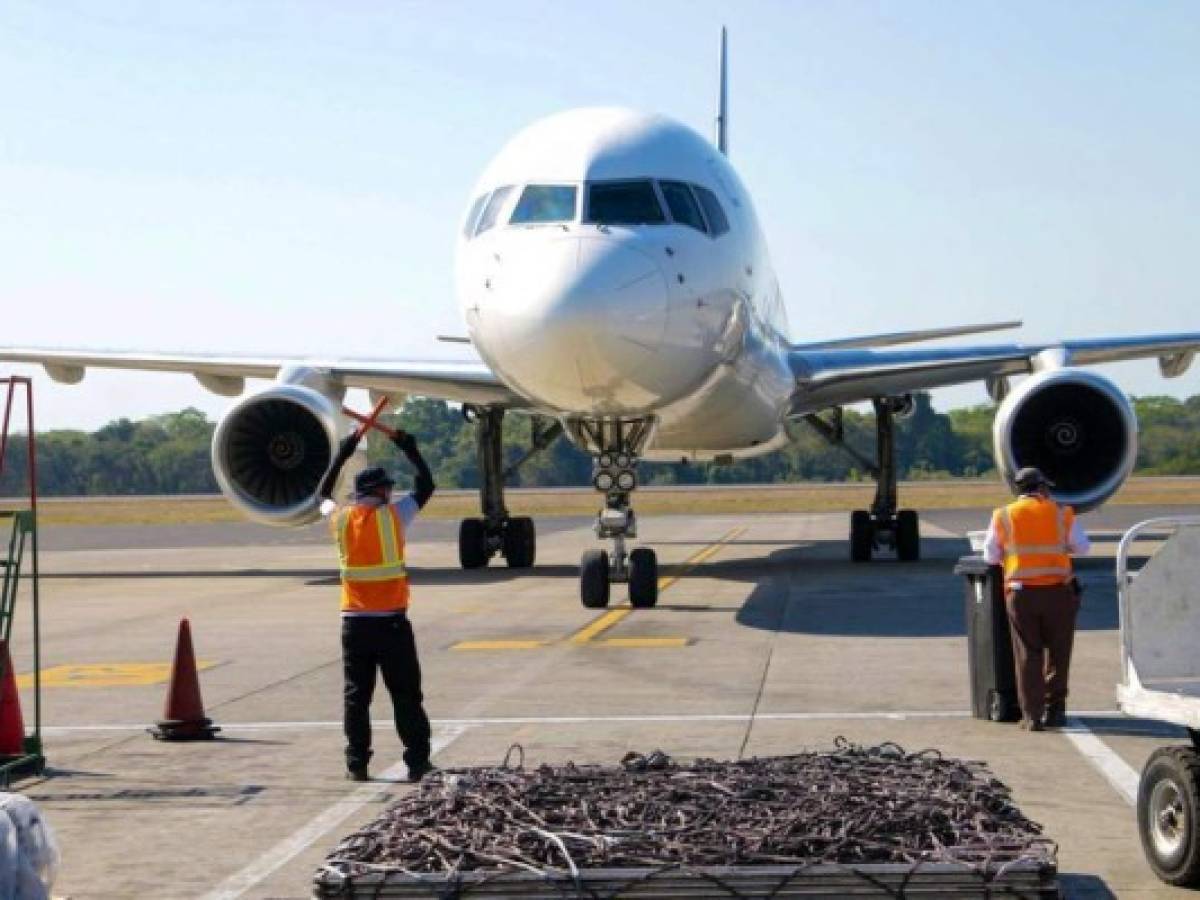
<point x="12" y="724"/>
<point x="183" y="714"/>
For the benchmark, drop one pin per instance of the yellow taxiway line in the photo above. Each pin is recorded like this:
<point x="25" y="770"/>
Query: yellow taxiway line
<point x="97" y="675"/>
<point x="531" y="644"/>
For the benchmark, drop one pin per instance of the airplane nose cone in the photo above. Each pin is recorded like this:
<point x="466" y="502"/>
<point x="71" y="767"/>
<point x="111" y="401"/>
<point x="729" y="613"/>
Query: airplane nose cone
<point x="581" y="320"/>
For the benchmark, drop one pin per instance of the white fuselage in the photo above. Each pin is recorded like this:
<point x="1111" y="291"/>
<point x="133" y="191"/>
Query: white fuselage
<point x="603" y="283"/>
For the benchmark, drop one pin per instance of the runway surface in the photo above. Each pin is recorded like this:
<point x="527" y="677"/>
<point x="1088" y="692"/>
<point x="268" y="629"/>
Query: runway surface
<point x="766" y="640"/>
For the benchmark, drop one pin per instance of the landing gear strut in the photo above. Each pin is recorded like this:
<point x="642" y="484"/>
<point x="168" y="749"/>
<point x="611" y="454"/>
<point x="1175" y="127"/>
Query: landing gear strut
<point x="883" y="526"/>
<point x="514" y="537"/>
<point x="615" y="447"/>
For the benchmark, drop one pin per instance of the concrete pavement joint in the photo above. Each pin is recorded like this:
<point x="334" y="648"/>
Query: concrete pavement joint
<point x="762" y="681"/>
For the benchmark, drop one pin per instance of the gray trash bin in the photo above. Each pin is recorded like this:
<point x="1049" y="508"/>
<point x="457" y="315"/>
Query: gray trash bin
<point x="989" y="642"/>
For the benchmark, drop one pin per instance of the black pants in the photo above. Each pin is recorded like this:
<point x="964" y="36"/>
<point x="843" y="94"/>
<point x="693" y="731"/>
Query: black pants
<point x="384" y="643"/>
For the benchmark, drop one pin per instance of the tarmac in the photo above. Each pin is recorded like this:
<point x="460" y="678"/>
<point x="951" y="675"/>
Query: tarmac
<point x="766" y="640"/>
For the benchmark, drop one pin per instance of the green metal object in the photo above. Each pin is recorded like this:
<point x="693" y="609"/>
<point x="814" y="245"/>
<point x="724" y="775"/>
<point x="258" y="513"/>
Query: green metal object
<point x="22" y="549"/>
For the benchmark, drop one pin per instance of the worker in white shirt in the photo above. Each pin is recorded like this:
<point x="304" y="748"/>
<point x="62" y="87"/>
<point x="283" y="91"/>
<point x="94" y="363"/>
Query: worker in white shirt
<point x="1033" y="538"/>
<point x="376" y="634"/>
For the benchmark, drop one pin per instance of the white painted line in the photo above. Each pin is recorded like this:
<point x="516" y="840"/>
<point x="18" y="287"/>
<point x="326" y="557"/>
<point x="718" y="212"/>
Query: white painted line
<point x="287" y="849"/>
<point x="1116" y="771"/>
<point x="868" y="715"/>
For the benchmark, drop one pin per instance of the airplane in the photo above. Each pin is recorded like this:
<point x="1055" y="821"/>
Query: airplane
<point x="614" y="281"/>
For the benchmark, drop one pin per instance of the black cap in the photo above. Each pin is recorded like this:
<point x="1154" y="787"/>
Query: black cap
<point x="368" y="479"/>
<point x="1030" y="479"/>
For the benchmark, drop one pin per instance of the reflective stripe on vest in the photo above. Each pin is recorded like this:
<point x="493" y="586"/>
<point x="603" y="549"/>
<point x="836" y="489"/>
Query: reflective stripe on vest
<point x="356" y="564"/>
<point x="371" y="550"/>
<point x="1042" y="562"/>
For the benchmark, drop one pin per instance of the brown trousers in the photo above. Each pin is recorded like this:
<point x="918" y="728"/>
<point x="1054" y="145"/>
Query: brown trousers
<point x="1043" y="631"/>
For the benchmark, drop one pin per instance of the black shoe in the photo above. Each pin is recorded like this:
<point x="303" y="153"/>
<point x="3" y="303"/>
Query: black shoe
<point x="1056" y="717"/>
<point x="1031" y="725"/>
<point x="420" y="770"/>
<point x="357" y="773"/>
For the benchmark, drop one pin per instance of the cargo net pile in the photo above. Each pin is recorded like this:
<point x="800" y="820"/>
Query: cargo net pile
<point x="873" y="807"/>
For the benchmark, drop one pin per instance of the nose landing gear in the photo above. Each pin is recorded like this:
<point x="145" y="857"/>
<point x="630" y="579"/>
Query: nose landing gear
<point x="638" y="568"/>
<point x="615" y="476"/>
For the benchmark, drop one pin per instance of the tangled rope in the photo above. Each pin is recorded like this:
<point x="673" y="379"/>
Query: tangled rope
<point x="852" y="806"/>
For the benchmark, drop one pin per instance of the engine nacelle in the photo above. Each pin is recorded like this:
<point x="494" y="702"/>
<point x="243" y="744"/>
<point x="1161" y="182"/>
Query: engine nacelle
<point x="271" y="451"/>
<point x="1077" y="427"/>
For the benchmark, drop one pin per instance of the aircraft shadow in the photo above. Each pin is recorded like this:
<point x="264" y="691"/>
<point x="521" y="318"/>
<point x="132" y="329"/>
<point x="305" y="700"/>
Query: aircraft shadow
<point x="808" y="587"/>
<point x="1116" y="538"/>
<point x="327" y="576"/>
<point x="1127" y="727"/>
<point x="814" y="589"/>
<point x="195" y="573"/>
<point x="491" y="575"/>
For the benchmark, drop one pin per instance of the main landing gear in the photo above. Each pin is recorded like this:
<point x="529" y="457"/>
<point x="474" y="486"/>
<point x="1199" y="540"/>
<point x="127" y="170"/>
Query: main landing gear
<point x="514" y="537"/>
<point x="616" y="445"/>
<point x="883" y="526"/>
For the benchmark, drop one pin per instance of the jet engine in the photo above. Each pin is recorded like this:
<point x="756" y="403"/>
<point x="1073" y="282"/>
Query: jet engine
<point x="270" y="452"/>
<point x="1076" y="426"/>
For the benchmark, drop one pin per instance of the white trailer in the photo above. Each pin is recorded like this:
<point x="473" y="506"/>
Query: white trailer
<point x="1160" y="671"/>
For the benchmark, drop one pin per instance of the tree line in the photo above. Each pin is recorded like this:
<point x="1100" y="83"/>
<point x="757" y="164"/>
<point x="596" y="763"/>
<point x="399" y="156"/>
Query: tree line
<point x="169" y="454"/>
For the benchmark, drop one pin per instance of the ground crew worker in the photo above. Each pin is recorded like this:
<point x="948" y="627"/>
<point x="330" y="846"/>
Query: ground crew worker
<point x="376" y="633"/>
<point x="1033" y="538"/>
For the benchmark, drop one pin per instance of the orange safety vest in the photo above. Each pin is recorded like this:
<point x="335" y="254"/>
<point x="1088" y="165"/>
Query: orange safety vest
<point x="1034" y="532"/>
<point x="371" y="554"/>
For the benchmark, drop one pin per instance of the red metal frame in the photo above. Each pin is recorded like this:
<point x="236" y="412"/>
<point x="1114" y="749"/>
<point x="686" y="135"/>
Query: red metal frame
<point x="31" y="761"/>
<point x="31" y="462"/>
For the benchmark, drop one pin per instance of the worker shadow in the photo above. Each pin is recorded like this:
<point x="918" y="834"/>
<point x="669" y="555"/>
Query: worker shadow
<point x="814" y="589"/>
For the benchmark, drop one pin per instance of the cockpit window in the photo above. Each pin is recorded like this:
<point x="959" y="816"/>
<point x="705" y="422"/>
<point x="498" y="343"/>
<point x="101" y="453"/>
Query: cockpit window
<point x="712" y="209"/>
<point x="682" y="204"/>
<point x="469" y="225"/>
<point x="491" y="212"/>
<point x="545" y="203"/>
<point x="624" y="203"/>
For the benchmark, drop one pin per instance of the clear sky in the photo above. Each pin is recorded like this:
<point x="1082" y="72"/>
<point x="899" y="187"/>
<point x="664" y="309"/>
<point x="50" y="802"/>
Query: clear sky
<point x="286" y="178"/>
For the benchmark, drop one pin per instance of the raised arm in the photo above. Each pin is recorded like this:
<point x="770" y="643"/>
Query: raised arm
<point x="423" y="486"/>
<point x="345" y="451"/>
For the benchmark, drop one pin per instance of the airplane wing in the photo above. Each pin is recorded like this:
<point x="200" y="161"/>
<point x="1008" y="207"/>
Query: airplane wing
<point x="902" y="337"/>
<point x="463" y="382"/>
<point x="836" y="377"/>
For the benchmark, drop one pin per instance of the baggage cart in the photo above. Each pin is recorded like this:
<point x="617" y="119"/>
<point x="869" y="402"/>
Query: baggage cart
<point x="1159" y="607"/>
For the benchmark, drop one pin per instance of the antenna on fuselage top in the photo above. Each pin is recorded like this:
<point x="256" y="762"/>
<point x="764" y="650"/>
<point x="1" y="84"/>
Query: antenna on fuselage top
<point x="723" y="98"/>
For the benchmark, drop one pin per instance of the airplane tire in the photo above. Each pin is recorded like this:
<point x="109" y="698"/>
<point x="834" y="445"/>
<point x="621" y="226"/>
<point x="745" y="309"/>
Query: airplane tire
<point x="908" y="536"/>
<point x="472" y="544"/>
<point x="1167" y="805"/>
<point x="643" y="578"/>
<point x="593" y="579"/>
<point x="520" y="542"/>
<point x="862" y="536"/>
